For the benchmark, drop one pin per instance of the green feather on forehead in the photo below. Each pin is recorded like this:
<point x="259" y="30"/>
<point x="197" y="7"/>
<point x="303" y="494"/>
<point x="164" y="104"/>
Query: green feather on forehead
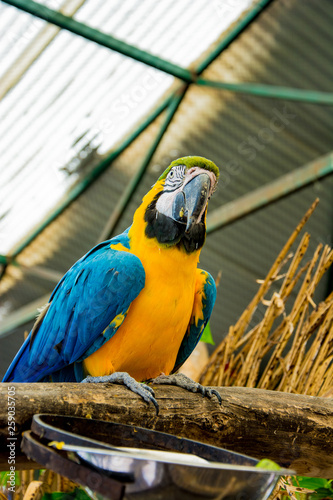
<point x="192" y="161"/>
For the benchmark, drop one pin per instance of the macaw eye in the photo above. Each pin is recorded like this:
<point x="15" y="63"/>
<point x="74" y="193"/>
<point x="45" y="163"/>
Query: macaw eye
<point x="174" y="178"/>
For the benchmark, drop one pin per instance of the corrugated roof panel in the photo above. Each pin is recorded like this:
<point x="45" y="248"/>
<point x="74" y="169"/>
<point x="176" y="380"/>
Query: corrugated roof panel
<point x="78" y="93"/>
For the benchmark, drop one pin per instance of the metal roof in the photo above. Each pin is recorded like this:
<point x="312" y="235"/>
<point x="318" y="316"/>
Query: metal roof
<point x="77" y="99"/>
<point x="253" y="138"/>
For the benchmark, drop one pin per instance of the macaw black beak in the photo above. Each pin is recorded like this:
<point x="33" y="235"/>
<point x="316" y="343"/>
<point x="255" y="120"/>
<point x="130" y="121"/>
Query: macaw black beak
<point x="190" y="203"/>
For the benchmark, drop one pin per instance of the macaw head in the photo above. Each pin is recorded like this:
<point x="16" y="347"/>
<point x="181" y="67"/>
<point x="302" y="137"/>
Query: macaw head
<point x="177" y="213"/>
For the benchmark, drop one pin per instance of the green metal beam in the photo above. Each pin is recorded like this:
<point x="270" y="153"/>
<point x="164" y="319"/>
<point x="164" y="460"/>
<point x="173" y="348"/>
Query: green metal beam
<point x="271" y="91"/>
<point x="84" y="184"/>
<point x="134" y="182"/>
<point x="279" y="188"/>
<point x="94" y="35"/>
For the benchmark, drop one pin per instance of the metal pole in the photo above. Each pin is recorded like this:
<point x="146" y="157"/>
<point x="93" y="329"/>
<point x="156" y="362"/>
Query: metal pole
<point x="272" y="91"/>
<point x="270" y="192"/>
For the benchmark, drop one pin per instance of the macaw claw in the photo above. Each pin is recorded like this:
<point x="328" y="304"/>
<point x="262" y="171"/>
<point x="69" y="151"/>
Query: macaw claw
<point x="143" y="390"/>
<point x="181" y="380"/>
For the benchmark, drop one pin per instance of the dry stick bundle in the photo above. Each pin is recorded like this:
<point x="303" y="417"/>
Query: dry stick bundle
<point x="238" y="360"/>
<point x="292" y="366"/>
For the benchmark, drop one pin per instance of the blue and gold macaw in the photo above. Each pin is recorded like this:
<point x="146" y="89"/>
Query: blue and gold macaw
<point x="135" y="306"/>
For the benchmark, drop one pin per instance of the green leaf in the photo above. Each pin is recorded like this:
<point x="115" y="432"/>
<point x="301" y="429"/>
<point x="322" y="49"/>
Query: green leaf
<point x="207" y="335"/>
<point x="313" y="483"/>
<point x="77" y="494"/>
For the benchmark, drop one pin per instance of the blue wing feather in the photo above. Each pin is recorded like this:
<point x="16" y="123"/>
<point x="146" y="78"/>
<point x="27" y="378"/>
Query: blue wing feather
<point x="99" y="286"/>
<point x="197" y="325"/>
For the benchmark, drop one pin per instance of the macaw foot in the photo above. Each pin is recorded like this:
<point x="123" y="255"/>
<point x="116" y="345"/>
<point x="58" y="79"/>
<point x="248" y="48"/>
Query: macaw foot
<point x="185" y="382"/>
<point x="124" y="378"/>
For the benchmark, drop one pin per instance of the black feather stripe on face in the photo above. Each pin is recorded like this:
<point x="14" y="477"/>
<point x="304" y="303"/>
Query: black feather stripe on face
<point x="169" y="232"/>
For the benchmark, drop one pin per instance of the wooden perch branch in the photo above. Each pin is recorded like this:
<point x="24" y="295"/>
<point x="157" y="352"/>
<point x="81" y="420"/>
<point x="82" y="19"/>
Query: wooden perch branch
<point x="294" y="430"/>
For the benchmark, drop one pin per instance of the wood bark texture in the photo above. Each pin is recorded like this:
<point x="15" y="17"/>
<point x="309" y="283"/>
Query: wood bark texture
<point x="295" y="431"/>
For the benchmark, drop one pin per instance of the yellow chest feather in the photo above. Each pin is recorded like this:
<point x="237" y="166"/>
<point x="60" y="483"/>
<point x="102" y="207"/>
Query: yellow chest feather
<point x="147" y="342"/>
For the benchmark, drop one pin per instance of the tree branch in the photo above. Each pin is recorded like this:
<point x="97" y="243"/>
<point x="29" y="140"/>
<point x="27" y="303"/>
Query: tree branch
<point x="294" y="430"/>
